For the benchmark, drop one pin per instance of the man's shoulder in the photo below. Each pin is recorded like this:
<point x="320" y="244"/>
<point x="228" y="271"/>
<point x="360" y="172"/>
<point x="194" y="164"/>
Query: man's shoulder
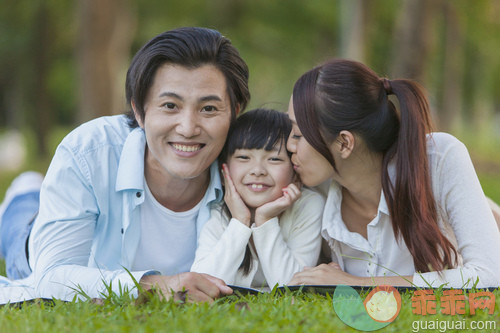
<point x="108" y="130"/>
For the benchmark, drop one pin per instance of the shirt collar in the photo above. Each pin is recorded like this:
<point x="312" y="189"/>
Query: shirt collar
<point x="332" y="217"/>
<point x="214" y="191"/>
<point x="131" y="167"/>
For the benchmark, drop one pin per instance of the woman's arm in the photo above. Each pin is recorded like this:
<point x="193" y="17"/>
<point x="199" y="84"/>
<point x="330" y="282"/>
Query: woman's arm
<point x="331" y="274"/>
<point x="461" y="201"/>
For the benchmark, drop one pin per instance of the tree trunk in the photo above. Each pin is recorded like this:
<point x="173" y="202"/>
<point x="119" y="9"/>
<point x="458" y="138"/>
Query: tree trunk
<point x="412" y="39"/>
<point x="39" y="118"/>
<point x="352" y="29"/>
<point x="450" y="117"/>
<point x="105" y="35"/>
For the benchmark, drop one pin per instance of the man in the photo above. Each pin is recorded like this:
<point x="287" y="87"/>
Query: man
<point x="125" y="197"/>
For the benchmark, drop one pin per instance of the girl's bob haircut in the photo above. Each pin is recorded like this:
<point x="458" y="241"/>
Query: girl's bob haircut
<point x="257" y="129"/>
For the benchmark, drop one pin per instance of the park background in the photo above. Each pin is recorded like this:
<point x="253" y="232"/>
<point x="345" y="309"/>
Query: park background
<point x="64" y="62"/>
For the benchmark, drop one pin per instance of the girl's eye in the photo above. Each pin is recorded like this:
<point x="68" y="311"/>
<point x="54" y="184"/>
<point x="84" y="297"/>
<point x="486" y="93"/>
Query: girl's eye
<point x="241" y="157"/>
<point x="276" y="159"/>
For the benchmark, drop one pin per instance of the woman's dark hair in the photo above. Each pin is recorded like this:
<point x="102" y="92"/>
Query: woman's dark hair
<point x="190" y="47"/>
<point x="347" y="95"/>
<point x="255" y="129"/>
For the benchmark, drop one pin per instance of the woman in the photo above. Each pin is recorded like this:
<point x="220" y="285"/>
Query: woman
<point x="404" y="205"/>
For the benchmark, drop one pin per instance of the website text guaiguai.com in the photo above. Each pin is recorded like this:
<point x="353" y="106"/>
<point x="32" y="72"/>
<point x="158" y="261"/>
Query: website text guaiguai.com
<point x="452" y="304"/>
<point x="445" y="325"/>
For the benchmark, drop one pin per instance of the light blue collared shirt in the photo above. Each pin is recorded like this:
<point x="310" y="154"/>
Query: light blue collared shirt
<point x="88" y="228"/>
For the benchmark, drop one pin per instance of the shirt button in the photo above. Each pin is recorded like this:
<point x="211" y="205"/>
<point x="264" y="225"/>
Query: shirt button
<point x="121" y="231"/>
<point x="138" y="194"/>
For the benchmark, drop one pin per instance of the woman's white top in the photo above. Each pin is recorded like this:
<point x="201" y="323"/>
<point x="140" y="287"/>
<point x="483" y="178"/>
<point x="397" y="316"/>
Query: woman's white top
<point x="463" y="216"/>
<point x="281" y="247"/>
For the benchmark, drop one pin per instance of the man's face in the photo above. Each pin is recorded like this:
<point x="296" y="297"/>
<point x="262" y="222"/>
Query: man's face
<point x="187" y="117"/>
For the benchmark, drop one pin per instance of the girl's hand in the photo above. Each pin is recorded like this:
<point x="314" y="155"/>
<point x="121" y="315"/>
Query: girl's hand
<point x="237" y="207"/>
<point x="272" y="209"/>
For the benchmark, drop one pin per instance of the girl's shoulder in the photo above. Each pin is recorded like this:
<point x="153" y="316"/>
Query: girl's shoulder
<point x="310" y="199"/>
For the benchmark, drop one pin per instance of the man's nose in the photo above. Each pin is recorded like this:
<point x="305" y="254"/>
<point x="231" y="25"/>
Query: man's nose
<point x="188" y="124"/>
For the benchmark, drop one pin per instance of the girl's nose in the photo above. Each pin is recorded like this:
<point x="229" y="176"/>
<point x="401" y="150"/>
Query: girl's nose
<point x="258" y="170"/>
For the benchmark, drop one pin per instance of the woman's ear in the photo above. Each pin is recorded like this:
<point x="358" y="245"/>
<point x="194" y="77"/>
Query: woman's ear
<point x="136" y="114"/>
<point x="345" y="144"/>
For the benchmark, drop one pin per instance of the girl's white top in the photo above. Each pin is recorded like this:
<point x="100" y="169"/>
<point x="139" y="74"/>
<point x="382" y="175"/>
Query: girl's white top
<point x="463" y="216"/>
<point x="281" y="247"/>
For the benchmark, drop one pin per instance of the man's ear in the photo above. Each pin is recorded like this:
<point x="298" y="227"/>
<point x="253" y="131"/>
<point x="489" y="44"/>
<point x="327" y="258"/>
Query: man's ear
<point x="237" y="111"/>
<point x="346" y="142"/>
<point x="136" y="114"/>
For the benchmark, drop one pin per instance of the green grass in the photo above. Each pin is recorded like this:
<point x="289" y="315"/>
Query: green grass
<point x="288" y="312"/>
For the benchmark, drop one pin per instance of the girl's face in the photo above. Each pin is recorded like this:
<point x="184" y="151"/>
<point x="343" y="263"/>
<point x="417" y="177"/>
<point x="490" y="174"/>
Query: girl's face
<point x="259" y="175"/>
<point x="311" y="166"/>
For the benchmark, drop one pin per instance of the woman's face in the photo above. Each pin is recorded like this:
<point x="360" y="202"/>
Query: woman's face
<point x="311" y="166"/>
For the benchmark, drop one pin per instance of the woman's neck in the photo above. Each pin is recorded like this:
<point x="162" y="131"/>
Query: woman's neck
<point x="361" y="189"/>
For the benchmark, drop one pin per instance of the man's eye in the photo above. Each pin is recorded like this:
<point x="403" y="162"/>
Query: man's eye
<point x="209" y="108"/>
<point x="169" y="106"/>
<point x="296" y="137"/>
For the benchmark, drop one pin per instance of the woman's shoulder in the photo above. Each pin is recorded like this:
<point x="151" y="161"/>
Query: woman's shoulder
<point x="441" y="142"/>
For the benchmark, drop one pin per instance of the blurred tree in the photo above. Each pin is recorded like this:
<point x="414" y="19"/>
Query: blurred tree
<point x="105" y="33"/>
<point x="352" y="29"/>
<point x="450" y="105"/>
<point x="64" y="62"/>
<point x="413" y="39"/>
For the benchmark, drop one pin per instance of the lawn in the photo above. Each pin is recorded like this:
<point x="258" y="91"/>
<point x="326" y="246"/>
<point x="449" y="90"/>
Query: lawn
<point x="285" y="312"/>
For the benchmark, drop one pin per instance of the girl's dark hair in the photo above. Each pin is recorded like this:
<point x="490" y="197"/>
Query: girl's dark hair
<point x="347" y="95"/>
<point x="255" y="129"/>
<point x="190" y="47"/>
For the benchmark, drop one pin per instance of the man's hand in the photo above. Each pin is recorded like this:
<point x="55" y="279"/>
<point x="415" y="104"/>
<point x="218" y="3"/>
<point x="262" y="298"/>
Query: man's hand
<point x="199" y="287"/>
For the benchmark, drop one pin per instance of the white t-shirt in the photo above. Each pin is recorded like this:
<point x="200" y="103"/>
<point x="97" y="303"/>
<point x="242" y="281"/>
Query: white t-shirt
<point x="168" y="239"/>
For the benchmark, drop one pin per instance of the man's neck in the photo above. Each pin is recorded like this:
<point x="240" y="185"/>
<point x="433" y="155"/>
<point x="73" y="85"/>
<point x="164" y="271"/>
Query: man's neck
<point x="176" y="194"/>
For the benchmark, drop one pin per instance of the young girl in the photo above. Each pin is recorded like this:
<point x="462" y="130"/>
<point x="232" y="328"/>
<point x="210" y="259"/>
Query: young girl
<point x="266" y="230"/>
<point x="405" y="205"/>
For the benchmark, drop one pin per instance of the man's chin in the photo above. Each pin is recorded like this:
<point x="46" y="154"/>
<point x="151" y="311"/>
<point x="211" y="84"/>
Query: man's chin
<point x="188" y="174"/>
